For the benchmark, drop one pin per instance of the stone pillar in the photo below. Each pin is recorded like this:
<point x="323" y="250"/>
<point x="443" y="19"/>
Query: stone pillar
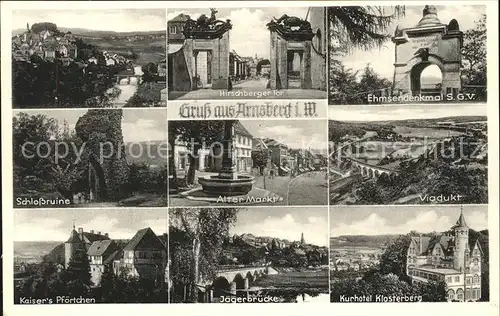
<point x="194" y="84"/>
<point x="232" y="288"/>
<point x="401" y="78"/>
<point x="306" y="81"/>
<point x="210" y="295"/>
<point x="282" y="63"/>
<point x="228" y="170"/>
<point x="246" y="284"/>
<point x="273" y="76"/>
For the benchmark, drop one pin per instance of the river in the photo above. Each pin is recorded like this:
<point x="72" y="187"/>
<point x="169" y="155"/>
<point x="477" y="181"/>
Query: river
<point x="127" y="88"/>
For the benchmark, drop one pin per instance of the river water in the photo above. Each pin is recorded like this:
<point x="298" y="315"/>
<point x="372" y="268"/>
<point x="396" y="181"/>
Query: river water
<point x="127" y="89"/>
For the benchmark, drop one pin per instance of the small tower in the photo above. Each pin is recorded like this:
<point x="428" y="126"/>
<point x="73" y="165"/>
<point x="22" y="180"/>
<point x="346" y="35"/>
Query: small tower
<point x="71" y="246"/>
<point x="461" y="251"/>
<point x="302" y="241"/>
<point x="27" y="27"/>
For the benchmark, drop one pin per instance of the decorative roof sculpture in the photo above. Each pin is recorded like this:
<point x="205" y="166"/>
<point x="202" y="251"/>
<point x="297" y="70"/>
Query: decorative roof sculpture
<point x="291" y="27"/>
<point x="206" y="27"/>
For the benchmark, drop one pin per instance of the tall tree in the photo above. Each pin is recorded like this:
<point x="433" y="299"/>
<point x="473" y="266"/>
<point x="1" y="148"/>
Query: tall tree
<point x="205" y="230"/>
<point x="360" y="27"/>
<point x="77" y="274"/>
<point x="195" y="135"/>
<point x="393" y="260"/>
<point x="355" y="27"/>
<point x="342" y="83"/>
<point x="474" y="58"/>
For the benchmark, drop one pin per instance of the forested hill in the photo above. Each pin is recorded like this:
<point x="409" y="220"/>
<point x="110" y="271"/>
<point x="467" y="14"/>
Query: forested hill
<point x="97" y="33"/>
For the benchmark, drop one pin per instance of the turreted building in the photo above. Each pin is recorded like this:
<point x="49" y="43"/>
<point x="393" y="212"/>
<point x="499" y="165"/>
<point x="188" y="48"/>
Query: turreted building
<point x="144" y="256"/>
<point x="451" y="258"/>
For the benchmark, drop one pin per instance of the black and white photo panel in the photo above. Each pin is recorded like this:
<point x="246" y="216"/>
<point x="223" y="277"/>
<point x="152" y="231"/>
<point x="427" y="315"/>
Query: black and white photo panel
<point x="247" y="162"/>
<point x="258" y="255"/>
<point x="409" y="154"/>
<point x="94" y="158"/>
<point x="89" y="58"/>
<point x="247" y="53"/>
<point x="408" y="254"/>
<point x="407" y="54"/>
<point x="90" y="256"/>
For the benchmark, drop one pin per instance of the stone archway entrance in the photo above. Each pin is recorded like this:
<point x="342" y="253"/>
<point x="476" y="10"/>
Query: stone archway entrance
<point x="426" y="79"/>
<point x="291" y="44"/>
<point x="202" y="68"/>
<point x="430" y="42"/>
<point x="294" y="68"/>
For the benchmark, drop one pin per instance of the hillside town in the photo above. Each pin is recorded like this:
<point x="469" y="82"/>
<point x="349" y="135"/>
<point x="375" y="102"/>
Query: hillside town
<point x="75" y="70"/>
<point x="51" y="45"/>
<point x="310" y="254"/>
<point x="354" y="259"/>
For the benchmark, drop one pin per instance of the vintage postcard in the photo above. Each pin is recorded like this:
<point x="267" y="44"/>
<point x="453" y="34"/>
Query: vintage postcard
<point x="161" y="155"/>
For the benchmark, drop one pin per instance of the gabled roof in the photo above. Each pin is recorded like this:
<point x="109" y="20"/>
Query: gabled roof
<point x="425" y="243"/>
<point x="90" y="237"/>
<point x="146" y="234"/>
<point x="446" y="243"/>
<point x="180" y="18"/>
<point x="240" y="129"/>
<point x="98" y="248"/>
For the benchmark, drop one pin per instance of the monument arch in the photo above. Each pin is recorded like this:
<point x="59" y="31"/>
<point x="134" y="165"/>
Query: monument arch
<point x="430" y="42"/>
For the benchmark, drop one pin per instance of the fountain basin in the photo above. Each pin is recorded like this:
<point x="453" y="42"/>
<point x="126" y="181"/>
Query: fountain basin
<point x="217" y="186"/>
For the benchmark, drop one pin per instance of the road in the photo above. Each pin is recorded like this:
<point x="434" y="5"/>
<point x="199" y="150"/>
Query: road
<point x="308" y="189"/>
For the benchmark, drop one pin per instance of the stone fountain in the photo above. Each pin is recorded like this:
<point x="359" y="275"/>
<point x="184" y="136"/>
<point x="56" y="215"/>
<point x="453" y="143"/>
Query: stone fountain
<point x="228" y="182"/>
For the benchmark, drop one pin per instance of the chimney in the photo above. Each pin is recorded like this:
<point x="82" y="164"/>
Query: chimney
<point x="80" y="230"/>
<point x="91" y="231"/>
<point x="106" y="234"/>
<point x="98" y="233"/>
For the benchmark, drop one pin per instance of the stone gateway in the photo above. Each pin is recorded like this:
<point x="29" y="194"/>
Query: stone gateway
<point x="430" y="42"/>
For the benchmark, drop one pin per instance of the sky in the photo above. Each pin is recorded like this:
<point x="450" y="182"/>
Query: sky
<point x="123" y="20"/>
<point x="138" y="125"/>
<point x="249" y="35"/>
<point x="286" y="223"/>
<point x="404" y="112"/>
<point x="56" y="225"/>
<point x="298" y="134"/>
<point x="382" y="60"/>
<point x="378" y="220"/>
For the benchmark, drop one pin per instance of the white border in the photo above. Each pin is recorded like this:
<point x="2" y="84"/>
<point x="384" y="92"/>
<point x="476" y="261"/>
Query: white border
<point x="490" y="308"/>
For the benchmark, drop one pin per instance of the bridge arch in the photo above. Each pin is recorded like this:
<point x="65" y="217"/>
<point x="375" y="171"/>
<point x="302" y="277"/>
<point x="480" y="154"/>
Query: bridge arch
<point x="370" y="173"/>
<point x="385" y="177"/>
<point x="221" y="286"/>
<point x="240" y="281"/>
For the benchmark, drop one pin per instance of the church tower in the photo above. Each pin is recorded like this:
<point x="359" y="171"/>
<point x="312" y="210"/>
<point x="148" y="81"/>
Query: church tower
<point x="302" y="240"/>
<point x="461" y="251"/>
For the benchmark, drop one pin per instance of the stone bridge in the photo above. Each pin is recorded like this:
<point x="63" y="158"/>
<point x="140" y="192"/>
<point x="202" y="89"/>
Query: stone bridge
<point x="119" y="78"/>
<point x="371" y="171"/>
<point x="228" y="281"/>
